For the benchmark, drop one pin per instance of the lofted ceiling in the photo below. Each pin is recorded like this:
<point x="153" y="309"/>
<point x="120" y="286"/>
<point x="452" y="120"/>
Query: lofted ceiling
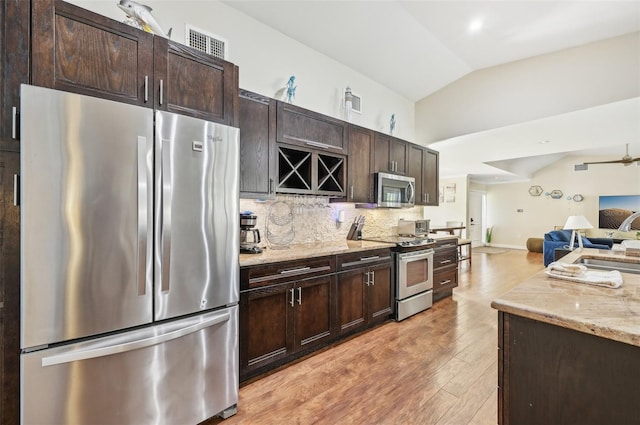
<point x="437" y="42"/>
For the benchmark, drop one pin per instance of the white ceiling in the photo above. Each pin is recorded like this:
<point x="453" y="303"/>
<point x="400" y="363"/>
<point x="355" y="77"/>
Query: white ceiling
<point x="430" y="41"/>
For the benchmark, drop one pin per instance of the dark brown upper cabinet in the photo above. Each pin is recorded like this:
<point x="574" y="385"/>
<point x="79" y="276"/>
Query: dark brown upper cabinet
<point x="390" y="154"/>
<point x="15" y="24"/>
<point x="190" y="82"/>
<point x="76" y="50"/>
<point x="80" y="51"/>
<point x="360" y="166"/>
<point x="257" y="122"/>
<point x="422" y="164"/>
<point x="431" y="177"/>
<point x="301" y="127"/>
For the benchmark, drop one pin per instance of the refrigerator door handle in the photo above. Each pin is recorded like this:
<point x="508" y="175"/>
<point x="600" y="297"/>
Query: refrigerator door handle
<point x="145" y="211"/>
<point x="90" y="353"/>
<point x="166" y="196"/>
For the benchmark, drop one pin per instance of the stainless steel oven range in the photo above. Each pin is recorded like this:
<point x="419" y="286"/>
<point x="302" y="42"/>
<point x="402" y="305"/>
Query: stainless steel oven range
<point x="413" y="274"/>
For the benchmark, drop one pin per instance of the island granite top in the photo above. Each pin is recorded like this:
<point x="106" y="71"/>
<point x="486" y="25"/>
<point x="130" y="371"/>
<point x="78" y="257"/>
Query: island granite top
<point x="609" y="313"/>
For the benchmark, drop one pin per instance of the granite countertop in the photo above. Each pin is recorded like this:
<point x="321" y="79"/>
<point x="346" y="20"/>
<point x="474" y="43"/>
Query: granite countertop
<point x="609" y="313"/>
<point x="309" y="250"/>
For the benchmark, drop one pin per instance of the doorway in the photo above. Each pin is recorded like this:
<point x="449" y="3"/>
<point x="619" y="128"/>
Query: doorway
<point x="476" y="214"/>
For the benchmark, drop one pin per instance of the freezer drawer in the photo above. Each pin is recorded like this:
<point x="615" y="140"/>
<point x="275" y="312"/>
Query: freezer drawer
<point x="180" y="372"/>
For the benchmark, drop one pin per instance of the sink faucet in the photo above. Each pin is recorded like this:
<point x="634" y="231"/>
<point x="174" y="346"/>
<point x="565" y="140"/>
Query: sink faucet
<point x="626" y="224"/>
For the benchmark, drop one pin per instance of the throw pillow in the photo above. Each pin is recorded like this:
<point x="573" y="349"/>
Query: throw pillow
<point x="560" y="235"/>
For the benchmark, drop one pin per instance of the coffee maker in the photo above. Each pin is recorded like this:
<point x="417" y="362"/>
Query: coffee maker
<point x="249" y="237"/>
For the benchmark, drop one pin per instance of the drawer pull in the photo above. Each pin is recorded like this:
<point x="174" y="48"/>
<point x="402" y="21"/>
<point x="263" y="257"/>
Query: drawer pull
<point x="444" y="282"/>
<point x="289" y="272"/>
<point x="299" y="269"/>
<point x="375" y="257"/>
<point x="447" y="261"/>
<point x="366" y="259"/>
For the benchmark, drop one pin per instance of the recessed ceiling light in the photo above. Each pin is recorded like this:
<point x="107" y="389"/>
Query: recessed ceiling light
<point x="544" y="142"/>
<point x="476" y="25"/>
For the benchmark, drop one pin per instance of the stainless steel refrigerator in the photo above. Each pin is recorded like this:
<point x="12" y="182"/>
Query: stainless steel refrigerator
<point x="129" y="263"/>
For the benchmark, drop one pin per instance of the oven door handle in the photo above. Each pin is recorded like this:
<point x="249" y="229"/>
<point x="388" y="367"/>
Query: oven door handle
<point x="407" y="258"/>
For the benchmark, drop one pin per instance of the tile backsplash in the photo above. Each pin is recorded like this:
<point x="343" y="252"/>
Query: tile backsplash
<point x="295" y="219"/>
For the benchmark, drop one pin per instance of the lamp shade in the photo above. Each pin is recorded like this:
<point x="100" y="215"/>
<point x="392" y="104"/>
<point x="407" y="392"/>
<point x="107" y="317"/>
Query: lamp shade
<point x="577" y="222"/>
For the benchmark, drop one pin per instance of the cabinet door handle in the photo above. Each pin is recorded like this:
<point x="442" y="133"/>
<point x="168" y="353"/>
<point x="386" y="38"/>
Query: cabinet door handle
<point x="161" y="91"/>
<point x="367" y="281"/>
<point x="373" y="278"/>
<point x="427" y="197"/>
<point x="146" y="88"/>
<point x="444" y="282"/>
<point x="291" y="302"/>
<point x="351" y="192"/>
<point x="16" y="190"/>
<point x="271" y="189"/>
<point x="14" y="123"/>
<point x="299" y="295"/>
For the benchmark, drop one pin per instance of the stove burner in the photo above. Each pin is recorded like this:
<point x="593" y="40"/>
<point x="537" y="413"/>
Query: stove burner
<point x="405" y="242"/>
<point x="416" y="242"/>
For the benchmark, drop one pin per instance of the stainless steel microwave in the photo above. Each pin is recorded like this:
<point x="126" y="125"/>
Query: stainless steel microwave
<point x="394" y="191"/>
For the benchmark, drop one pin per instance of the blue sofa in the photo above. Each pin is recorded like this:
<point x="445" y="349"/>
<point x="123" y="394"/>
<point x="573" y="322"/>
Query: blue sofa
<point x="560" y="238"/>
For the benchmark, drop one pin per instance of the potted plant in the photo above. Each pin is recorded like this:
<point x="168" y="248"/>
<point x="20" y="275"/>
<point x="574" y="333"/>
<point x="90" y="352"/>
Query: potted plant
<point x="488" y="233"/>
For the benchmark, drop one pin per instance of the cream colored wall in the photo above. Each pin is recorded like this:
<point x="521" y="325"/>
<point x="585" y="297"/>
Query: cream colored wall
<point x="540" y="213"/>
<point x="267" y="58"/>
<point x="314" y="219"/>
<point x="456" y="210"/>
<point x="543" y="86"/>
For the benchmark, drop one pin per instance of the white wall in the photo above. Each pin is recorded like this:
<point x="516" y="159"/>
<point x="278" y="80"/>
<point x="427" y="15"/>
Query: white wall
<point x="448" y="210"/>
<point x="541" y="213"/>
<point x="267" y="58"/>
<point x="533" y="88"/>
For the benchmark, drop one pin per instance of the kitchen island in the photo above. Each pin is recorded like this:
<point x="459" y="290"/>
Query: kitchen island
<point x="569" y="353"/>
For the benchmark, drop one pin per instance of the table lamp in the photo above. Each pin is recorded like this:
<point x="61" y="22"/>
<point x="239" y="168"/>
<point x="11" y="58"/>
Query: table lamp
<point x="575" y="222"/>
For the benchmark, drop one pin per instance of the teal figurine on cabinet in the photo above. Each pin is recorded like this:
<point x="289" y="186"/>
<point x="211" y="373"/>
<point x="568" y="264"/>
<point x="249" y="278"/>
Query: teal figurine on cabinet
<point x="291" y="89"/>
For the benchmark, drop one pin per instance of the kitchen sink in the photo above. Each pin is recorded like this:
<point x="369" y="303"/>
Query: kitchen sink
<point x="621" y="266"/>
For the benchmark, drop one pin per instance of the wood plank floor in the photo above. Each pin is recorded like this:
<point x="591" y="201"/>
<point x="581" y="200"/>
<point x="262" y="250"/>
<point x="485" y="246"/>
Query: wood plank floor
<point x="437" y="367"/>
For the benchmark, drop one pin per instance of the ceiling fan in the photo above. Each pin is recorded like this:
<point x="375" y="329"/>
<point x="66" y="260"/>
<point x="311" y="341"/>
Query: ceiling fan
<point x="626" y="160"/>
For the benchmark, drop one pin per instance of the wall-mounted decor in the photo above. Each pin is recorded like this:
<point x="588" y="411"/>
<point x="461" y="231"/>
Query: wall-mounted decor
<point x="535" y="190"/>
<point x="555" y="194"/>
<point x="613" y="210"/>
<point x="578" y="198"/>
<point x="450" y="192"/>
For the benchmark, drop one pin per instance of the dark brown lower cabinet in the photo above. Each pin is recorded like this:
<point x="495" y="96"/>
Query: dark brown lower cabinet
<point x="279" y="321"/>
<point x="289" y="309"/>
<point x="9" y="287"/>
<point x="445" y="268"/>
<point x="364" y="297"/>
<point x="548" y="374"/>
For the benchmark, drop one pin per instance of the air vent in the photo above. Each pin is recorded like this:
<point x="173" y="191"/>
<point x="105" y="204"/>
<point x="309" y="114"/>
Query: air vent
<point x="356" y="103"/>
<point x="207" y="42"/>
<point x="580" y="167"/>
